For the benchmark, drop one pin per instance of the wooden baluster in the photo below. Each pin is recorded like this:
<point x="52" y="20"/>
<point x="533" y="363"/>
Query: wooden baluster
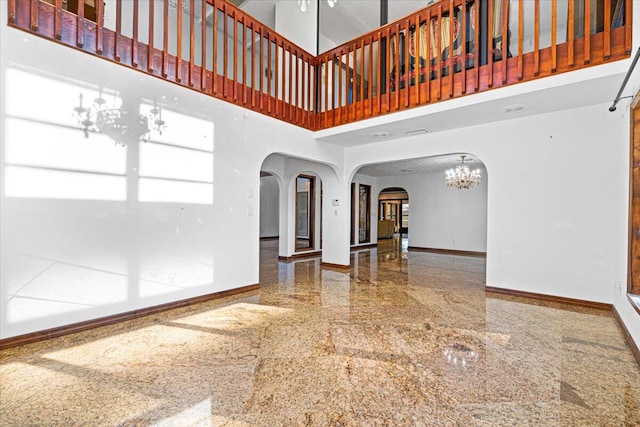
<point x="451" y="57"/>
<point x="428" y="58"/>
<point x="262" y="70"/>
<point x="34" y="15"/>
<point x="396" y="67"/>
<point x="297" y="87"/>
<point x="244" y="61"/>
<point x="333" y="89"/>
<point x="607" y="29"/>
<point x="476" y="46"/>
<point x="214" y="48"/>
<point x="253" y="64"/>
<point x="225" y="52"/>
<point x="304" y="92"/>
<point x="116" y="36"/>
<point x="57" y="20"/>
<point x="151" y="34"/>
<point x="362" y="79"/>
<point x="463" y="53"/>
<point x="290" y="97"/>
<point x="520" y="39"/>
<point x="269" y="71"/>
<point x="12" y="11"/>
<point x="134" y="41"/>
<point x="283" y="83"/>
<point x="490" y="42"/>
<point x="416" y="56"/>
<point x="505" y="38"/>
<point x="536" y="38"/>
<point x="389" y="67"/>
<point x="234" y="83"/>
<point x="379" y="69"/>
<point x="370" y="82"/>
<point x="354" y="83"/>
<point x="326" y="89"/>
<point x="275" y="80"/>
<point x="165" y="39"/>
<point x="628" y="36"/>
<point x="407" y="64"/>
<point x="570" y="33"/>
<point x="203" y="43"/>
<point x="438" y="83"/>
<point x="348" y="88"/>
<point x="179" y="43"/>
<point x="554" y="33"/>
<point x="192" y="50"/>
<point x="79" y="23"/>
<point x="340" y="87"/>
<point x="587" y="32"/>
<point x="310" y="97"/>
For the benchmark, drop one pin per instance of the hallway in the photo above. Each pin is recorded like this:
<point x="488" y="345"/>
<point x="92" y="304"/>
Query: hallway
<point x="402" y="338"/>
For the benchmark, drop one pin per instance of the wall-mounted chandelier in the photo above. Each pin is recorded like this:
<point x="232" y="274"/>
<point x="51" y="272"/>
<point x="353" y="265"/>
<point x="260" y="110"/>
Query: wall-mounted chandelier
<point x="305" y="3"/>
<point x="123" y="124"/>
<point x="462" y="177"/>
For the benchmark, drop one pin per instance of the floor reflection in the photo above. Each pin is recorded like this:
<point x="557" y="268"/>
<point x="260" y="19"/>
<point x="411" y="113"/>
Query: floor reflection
<point x="401" y="338"/>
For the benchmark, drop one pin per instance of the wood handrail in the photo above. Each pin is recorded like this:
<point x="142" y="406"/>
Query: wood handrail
<point x="433" y="54"/>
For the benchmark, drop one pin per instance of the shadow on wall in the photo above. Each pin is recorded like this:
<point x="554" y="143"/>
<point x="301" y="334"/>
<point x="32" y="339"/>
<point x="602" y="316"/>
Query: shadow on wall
<point x="91" y="227"/>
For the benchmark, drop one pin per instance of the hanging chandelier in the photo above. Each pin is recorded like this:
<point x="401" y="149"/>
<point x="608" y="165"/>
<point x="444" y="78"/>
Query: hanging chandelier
<point x="305" y="3"/>
<point x="123" y="124"/>
<point x="462" y="177"/>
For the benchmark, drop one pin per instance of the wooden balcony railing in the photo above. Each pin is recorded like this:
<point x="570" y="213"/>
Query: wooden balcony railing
<point x="447" y="50"/>
<point x="428" y="57"/>
<point x="242" y="61"/>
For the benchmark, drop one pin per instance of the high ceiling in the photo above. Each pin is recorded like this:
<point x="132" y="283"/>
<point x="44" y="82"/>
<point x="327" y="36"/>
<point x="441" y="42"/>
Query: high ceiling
<point x="347" y="20"/>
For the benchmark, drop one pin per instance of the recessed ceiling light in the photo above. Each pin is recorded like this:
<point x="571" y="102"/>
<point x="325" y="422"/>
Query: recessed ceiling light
<point x="514" y="108"/>
<point x="380" y="134"/>
<point x="415" y="131"/>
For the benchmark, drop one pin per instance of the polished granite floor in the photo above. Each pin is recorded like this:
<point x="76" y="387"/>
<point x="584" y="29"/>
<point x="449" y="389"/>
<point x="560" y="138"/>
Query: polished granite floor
<point x="401" y="339"/>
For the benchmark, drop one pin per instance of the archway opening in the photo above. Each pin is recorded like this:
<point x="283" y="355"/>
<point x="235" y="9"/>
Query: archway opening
<point x="393" y="213"/>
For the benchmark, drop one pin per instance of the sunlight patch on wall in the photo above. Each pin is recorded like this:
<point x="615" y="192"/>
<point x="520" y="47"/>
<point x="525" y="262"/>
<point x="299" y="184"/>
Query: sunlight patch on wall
<point x="177" y="165"/>
<point x="46" y="154"/>
<point x="53" y="184"/>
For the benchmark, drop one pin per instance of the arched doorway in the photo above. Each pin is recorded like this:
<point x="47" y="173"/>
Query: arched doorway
<point x="393" y="213"/>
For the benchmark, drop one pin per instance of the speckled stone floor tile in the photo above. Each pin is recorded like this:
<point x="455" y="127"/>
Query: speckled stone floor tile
<point x="400" y="339"/>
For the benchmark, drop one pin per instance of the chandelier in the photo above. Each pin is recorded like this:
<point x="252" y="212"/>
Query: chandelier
<point x="123" y="124"/>
<point x="462" y="177"/>
<point x="305" y="3"/>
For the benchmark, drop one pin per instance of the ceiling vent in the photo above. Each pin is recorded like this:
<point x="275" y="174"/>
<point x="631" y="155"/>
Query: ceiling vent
<point x="415" y="131"/>
<point x="515" y="108"/>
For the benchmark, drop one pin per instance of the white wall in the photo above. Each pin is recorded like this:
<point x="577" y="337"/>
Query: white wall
<point x="97" y="238"/>
<point x="297" y="26"/>
<point x="553" y="224"/>
<point x="441" y="217"/>
<point x="269" y="206"/>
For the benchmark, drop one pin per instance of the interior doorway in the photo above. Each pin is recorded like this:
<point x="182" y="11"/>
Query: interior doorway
<point x="393" y="209"/>
<point x="305" y="212"/>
